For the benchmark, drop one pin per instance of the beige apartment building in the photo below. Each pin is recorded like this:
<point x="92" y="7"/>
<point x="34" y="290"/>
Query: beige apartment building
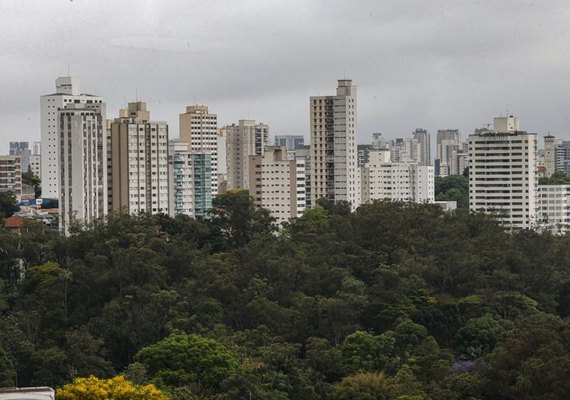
<point x="138" y="162"/>
<point x="334" y="170"/>
<point x="244" y="139"/>
<point x="199" y="129"/>
<point x="277" y="183"/>
<point x="11" y="175"/>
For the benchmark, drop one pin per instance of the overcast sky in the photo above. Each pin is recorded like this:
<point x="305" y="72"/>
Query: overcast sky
<point x="431" y="64"/>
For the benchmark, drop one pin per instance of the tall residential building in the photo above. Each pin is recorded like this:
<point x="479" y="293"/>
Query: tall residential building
<point x="277" y="183"/>
<point x="448" y="141"/>
<point x="303" y="155"/>
<point x="404" y="150"/>
<point x="502" y="173"/>
<point x="406" y="181"/>
<point x="290" y="142"/>
<point x="379" y="141"/>
<point x="334" y="169"/>
<point x="549" y="155"/>
<point x="423" y="138"/>
<point x="138" y="170"/>
<point x="68" y="91"/>
<point x="199" y="129"/>
<point x="11" y="175"/>
<point x="82" y="159"/>
<point x="222" y="161"/>
<point x="245" y="139"/>
<point x="36" y="165"/>
<point x="562" y="157"/>
<point x="190" y="175"/>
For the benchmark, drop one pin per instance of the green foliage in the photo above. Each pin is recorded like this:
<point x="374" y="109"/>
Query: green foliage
<point x="557" y="178"/>
<point x="453" y="188"/>
<point x="396" y="299"/>
<point x="180" y="360"/>
<point x="8" y="204"/>
<point x="28" y="178"/>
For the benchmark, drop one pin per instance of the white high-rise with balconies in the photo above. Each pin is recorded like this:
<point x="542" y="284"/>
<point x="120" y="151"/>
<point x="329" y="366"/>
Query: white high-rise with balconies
<point x="503" y="173"/>
<point x="334" y="157"/>
<point x="83" y="163"/>
<point x="68" y="91"/>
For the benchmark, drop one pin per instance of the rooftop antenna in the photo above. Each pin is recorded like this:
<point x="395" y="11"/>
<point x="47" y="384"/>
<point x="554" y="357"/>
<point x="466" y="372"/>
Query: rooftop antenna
<point x="196" y="99"/>
<point x="137" y="94"/>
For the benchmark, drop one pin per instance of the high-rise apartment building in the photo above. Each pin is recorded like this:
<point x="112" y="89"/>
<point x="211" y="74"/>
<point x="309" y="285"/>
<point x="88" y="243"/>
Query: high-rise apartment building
<point x="303" y="154"/>
<point x="290" y="142"/>
<point x="138" y="169"/>
<point x="549" y="155"/>
<point x="334" y="170"/>
<point x="244" y="139"/>
<point x="402" y="181"/>
<point x="502" y="173"/>
<point x="11" y="175"/>
<point x="190" y="180"/>
<point x="199" y="129"/>
<point x="277" y="183"/>
<point x="36" y="165"/>
<point x="423" y="138"/>
<point x="82" y="160"/>
<point x="448" y="141"/>
<point x="67" y="92"/>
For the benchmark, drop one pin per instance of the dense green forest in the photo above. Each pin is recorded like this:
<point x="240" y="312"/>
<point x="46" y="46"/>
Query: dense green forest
<point x="393" y="301"/>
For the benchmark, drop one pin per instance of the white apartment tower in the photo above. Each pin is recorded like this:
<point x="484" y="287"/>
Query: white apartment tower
<point x="396" y="181"/>
<point x="138" y="170"/>
<point x="334" y="167"/>
<point x="68" y="91"/>
<point x="277" y="183"/>
<point x="502" y="173"/>
<point x="448" y="141"/>
<point x="245" y="139"/>
<point x="549" y="155"/>
<point x="199" y="129"/>
<point x="82" y="159"/>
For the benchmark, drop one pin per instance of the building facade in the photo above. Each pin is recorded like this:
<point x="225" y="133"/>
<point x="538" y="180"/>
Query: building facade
<point x="422" y="137"/>
<point x="554" y="208"/>
<point x="11" y="175"/>
<point x="502" y="174"/>
<point x="82" y="159"/>
<point x="334" y="170"/>
<point x="244" y="139"/>
<point x="290" y="142"/>
<point x="277" y="183"/>
<point x="68" y="91"/>
<point x="448" y="141"/>
<point x="138" y="167"/>
<point x="199" y="129"/>
<point x="407" y="181"/>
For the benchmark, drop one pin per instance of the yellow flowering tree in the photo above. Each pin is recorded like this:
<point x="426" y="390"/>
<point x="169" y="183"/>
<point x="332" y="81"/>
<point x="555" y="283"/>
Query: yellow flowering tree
<point x="117" y="388"/>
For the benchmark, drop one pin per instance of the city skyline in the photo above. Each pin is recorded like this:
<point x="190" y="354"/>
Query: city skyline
<point x="436" y="66"/>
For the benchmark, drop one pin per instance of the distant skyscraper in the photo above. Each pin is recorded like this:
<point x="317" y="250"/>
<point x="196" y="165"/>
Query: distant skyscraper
<point x="549" y="155"/>
<point x="83" y="162"/>
<point x="502" y="173"/>
<point x="290" y="142"/>
<point x="334" y="167"/>
<point x="423" y="138"/>
<point x="68" y="91"/>
<point x="448" y="141"/>
<point x="199" y="129"/>
<point x="138" y="173"/>
<point x="245" y="139"/>
<point x="22" y="149"/>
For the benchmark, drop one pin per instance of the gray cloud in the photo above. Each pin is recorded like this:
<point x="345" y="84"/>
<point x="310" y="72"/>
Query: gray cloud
<point x="433" y="64"/>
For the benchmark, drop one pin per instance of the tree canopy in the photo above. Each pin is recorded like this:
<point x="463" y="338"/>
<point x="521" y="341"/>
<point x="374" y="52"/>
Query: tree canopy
<point x="394" y="300"/>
